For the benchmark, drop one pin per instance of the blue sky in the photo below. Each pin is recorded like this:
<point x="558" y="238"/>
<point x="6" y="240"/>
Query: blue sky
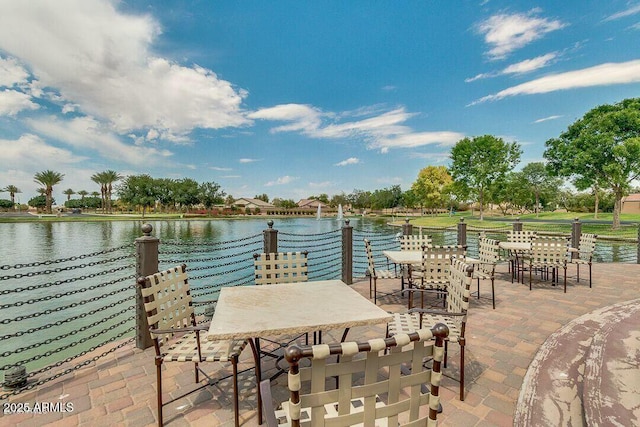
<point x="295" y="98"/>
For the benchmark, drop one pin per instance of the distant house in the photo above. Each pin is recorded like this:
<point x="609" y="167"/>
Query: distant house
<point x="246" y="202"/>
<point x="311" y="204"/>
<point x="631" y="204"/>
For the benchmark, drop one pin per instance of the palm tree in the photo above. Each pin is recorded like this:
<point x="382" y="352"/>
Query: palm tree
<point x="110" y="177"/>
<point x="48" y="178"/>
<point x="68" y="192"/>
<point x="99" y="178"/>
<point x="82" y="193"/>
<point x="12" y="190"/>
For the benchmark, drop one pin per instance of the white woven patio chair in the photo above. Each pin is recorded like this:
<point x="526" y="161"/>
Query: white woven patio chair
<point x="380" y="382"/>
<point x="454" y="316"/>
<point x="177" y="337"/>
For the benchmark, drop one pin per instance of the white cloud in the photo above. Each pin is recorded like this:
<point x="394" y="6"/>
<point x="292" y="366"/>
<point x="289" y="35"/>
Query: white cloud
<point x="521" y="67"/>
<point x="12" y="102"/>
<point x="349" y="161"/>
<point x="281" y="181"/>
<point x="546" y="119"/>
<point x="218" y="168"/>
<point x="231" y="176"/>
<point x="302" y="117"/>
<point x="623" y="14"/>
<point x="245" y="160"/>
<point x="34" y="153"/>
<point x="87" y="133"/>
<point x="12" y="73"/>
<point x="100" y="59"/>
<point x="384" y="130"/>
<point x="599" y="75"/>
<point x="505" y="33"/>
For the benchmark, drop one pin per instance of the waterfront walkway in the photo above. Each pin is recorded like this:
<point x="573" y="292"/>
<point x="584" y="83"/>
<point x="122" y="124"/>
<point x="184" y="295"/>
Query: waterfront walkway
<point x="501" y="344"/>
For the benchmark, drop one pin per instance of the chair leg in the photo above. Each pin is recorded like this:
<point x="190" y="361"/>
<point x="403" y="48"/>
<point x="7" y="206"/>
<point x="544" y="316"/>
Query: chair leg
<point x="589" y="273"/>
<point x="197" y="372"/>
<point x="478" y="288"/>
<point x="375" y="290"/>
<point x="577" y="272"/>
<point x="159" y="386"/>
<point x="236" y="407"/>
<point x="446" y="351"/>
<point x="462" y="370"/>
<point x="258" y="371"/>
<point x="565" y="279"/>
<point x="493" y="293"/>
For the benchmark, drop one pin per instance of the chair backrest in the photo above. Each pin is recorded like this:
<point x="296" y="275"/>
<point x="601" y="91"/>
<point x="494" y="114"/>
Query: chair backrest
<point x="458" y="290"/>
<point x="436" y="262"/>
<point x="586" y="246"/>
<point x="550" y="251"/>
<point x="366" y="371"/>
<point x="167" y="300"/>
<point x="371" y="262"/>
<point x="521" y="236"/>
<point x="412" y="242"/>
<point x="488" y="254"/>
<point x="280" y="267"/>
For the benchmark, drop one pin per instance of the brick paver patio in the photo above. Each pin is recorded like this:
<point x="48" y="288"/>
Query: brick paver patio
<point x="120" y="388"/>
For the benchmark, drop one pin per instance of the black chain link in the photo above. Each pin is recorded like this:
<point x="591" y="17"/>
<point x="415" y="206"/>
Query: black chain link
<point x="177" y="243"/>
<point x="60" y="295"/>
<point x="250" y="251"/>
<point x="312" y="234"/>
<point x="68" y="334"/>
<point x="49" y="353"/>
<point x="73" y="258"/>
<point x="60" y="282"/>
<point x="65" y="307"/>
<point x="205" y="250"/>
<point x="67" y="320"/>
<point x="60" y="269"/>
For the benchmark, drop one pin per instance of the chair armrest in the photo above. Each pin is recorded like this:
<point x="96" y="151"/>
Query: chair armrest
<point x="440" y="312"/>
<point x="268" y="410"/>
<point x="179" y="330"/>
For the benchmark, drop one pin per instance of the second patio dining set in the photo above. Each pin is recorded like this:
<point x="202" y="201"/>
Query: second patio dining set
<point x="390" y="380"/>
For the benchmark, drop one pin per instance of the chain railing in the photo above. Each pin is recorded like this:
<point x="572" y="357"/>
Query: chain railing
<point x="57" y="313"/>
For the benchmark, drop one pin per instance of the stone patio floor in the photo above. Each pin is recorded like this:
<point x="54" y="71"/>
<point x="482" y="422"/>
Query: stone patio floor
<point x="119" y="389"/>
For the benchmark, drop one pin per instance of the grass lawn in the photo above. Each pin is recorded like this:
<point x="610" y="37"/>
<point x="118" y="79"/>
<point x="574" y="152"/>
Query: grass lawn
<point x="546" y="221"/>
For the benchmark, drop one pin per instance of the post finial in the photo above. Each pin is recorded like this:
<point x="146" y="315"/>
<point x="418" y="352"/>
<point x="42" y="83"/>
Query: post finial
<point x="270" y="223"/>
<point x="147" y="229"/>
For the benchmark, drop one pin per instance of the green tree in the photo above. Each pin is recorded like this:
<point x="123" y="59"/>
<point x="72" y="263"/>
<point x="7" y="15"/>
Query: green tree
<point x="210" y="194"/>
<point x="537" y="178"/>
<point x="262" y="197"/>
<point x="138" y="191"/>
<point x="99" y="179"/>
<point x="48" y="179"/>
<point x="39" y="202"/>
<point x="229" y="200"/>
<point x="338" y="199"/>
<point x="602" y="148"/>
<point x="386" y="198"/>
<point x="186" y="192"/>
<point x="68" y="192"/>
<point x="105" y="180"/>
<point x="6" y="204"/>
<point x="284" y="203"/>
<point x="480" y="161"/>
<point x="82" y="194"/>
<point x="432" y="187"/>
<point x="12" y="190"/>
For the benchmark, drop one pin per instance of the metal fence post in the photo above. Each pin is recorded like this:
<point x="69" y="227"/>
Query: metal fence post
<point x="270" y="239"/>
<point x="517" y="225"/>
<point x="462" y="233"/>
<point x="347" y="253"/>
<point x="576" y="232"/>
<point x="146" y="264"/>
<point x="407" y="228"/>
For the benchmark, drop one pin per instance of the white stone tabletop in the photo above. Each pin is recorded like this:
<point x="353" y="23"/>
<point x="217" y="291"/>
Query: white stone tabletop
<point x="290" y="308"/>
<point x="404" y="257"/>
